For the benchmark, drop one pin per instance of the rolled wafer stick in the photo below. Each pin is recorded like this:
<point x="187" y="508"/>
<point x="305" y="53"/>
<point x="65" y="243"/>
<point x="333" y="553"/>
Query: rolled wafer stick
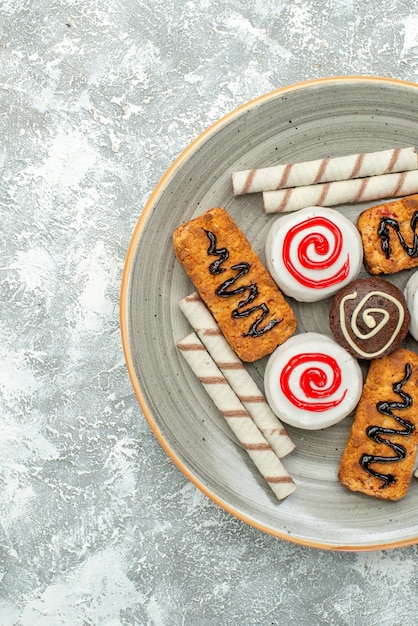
<point x="236" y="374"/>
<point x="324" y="170"/>
<point x="239" y="420"/>
<point x="342" y="191"/>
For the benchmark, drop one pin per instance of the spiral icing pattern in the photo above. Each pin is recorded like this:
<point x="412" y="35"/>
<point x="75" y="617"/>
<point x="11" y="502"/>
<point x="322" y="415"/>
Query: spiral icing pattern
<point x="311" y="382"/>
<point x="313" y="253"/>
<point x="369" y="318"/>
<point x="315" y="245"/>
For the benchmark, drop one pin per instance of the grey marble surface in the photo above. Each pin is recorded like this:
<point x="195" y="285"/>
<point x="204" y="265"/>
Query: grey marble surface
<point x="98" y="527"/>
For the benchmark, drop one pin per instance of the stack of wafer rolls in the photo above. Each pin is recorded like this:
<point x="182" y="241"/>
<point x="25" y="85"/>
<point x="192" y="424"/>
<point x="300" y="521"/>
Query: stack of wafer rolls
<point x="332" y="181"/>
<point x="236" y="374"/>
<point x="236" y="415"/>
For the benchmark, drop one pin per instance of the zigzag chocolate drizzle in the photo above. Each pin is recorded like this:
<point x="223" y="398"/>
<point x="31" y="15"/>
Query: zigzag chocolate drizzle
<point x="375" y="432"/>
<point x="224" y="290"/>
<point x="383" y="232"/>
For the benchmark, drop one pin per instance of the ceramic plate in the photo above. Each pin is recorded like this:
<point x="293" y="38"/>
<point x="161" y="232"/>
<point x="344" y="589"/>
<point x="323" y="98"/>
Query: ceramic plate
<point x="328" y="117"/>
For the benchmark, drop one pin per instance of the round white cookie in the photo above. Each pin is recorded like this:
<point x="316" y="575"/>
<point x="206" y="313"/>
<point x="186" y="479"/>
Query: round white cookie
<point x="411" y="297"/>
<point x="311" y="382"/>
<point x="313" y="252"/>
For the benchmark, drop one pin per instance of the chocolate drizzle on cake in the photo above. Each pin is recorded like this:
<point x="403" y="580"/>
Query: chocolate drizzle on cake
<point x="383" y="232"/>
<point x="375" y="433"/>
<point x="224" y="290"/>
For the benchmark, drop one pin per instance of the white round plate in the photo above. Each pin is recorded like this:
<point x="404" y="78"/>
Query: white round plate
<point x="327" y="117"/>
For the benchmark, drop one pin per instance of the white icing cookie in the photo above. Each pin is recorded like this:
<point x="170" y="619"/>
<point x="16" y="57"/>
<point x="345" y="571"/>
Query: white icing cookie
<point x="311" y="382"/>
<point x="411" y="297"/>
<point x="311" y="254"/>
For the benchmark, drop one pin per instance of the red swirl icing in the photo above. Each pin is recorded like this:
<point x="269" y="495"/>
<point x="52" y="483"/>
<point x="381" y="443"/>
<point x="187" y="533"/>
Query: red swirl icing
<point x="322" y="247"/>
<point x="313" y="382"/>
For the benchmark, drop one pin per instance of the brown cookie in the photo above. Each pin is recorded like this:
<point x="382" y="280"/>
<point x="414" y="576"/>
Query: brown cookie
<point x="369" y="318"/>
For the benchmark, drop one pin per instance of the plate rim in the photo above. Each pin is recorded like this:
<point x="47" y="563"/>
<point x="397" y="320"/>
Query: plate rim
<point x="125" y="292"/>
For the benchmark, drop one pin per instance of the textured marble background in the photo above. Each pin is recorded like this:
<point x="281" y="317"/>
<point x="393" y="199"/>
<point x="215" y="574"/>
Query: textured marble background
<point x="96" y="100"/>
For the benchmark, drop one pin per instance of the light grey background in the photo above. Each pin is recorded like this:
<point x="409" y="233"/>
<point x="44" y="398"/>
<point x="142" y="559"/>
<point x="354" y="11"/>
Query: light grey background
<point x="96" y="100"/>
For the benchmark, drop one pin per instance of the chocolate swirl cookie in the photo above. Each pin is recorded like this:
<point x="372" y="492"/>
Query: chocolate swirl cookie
<point x="369" y="318"/>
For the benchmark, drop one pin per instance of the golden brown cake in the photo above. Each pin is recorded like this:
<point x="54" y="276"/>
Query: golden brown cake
<point x="379" y="457"/>
<point x="388" y="233"/>
<point x="234" y="284"/>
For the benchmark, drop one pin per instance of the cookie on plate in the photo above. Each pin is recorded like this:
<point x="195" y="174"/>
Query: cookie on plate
<point x="388" y="233"/>
<point x="313" y="252"/>
<point x="379" y="456"/>
<point x="369" y="317"/>
<point x="311" y="382"/>
<point x="411" y="297"/>
<point x="231" y="279"/>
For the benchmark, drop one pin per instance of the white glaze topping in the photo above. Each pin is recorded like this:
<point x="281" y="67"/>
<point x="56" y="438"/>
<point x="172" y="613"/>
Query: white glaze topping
<point x="311" y="382"/>
<point x="313" y="253"/>
<point x="411" y="296"/>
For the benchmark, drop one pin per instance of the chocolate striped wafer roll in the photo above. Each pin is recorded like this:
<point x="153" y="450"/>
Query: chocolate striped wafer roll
<point x="342" y="191"/>
<point x="324" y="170"/>
<point x="238" y="418"/>
<point x="236" y="374"/>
